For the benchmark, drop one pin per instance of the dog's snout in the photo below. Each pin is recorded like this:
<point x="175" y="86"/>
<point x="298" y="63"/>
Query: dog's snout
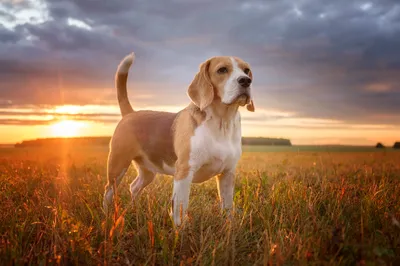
<point x="244" y="81"/>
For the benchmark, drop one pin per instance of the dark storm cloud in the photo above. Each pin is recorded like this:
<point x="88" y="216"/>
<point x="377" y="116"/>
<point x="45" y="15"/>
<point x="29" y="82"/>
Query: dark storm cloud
<point x="337" y="60"/>
<point x="8" y="36"/>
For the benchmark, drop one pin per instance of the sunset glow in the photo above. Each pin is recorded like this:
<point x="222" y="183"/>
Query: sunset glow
<point x="100" y="120"/>
<point x="68" y="109"/>
<point x="67" y="128"/>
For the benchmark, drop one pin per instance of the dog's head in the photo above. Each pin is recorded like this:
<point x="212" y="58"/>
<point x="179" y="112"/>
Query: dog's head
<point x="225" y="79"/>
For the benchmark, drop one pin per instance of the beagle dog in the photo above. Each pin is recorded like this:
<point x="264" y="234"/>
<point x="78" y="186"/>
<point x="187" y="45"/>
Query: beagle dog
<point x="199" y="142"/>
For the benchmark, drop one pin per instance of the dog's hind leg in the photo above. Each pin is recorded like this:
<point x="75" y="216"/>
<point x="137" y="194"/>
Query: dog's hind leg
<point x="144" y="177"/>
<point x="119" y="160"/>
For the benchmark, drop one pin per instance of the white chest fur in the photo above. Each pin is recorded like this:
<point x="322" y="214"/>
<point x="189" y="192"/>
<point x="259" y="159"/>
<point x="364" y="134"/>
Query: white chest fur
<point x="215" y="147"/>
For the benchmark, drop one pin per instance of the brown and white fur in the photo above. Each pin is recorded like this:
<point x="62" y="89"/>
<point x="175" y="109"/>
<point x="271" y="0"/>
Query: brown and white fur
<point x="201" y="141"/>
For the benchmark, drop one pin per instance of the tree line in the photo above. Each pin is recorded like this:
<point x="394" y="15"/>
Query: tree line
<point x="103" y="141"/>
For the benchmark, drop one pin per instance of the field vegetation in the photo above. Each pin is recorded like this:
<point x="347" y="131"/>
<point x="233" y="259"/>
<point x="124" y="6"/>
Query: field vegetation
<point x="293" y="206"/>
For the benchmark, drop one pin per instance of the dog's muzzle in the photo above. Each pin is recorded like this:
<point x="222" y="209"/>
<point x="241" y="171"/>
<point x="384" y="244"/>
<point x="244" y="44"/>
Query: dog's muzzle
<point x="243" y="98"/>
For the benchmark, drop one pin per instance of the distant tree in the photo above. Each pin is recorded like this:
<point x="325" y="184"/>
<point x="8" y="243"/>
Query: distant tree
<point x="78" y="141"/>
<point x="379" y="145"/>
<point x="266" y="141"/>
<point x="396" y="145"/>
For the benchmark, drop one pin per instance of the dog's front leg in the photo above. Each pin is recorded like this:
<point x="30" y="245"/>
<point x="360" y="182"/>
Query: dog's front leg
<point x="180" y="195"/>
<point x="226" y="186"/>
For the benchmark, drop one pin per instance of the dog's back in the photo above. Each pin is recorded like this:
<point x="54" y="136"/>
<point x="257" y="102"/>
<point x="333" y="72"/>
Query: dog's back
<point x="152" y="134"/>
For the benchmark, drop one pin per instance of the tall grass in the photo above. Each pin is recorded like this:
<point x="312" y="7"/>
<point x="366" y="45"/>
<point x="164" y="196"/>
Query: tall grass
<point x="290" y="208"/>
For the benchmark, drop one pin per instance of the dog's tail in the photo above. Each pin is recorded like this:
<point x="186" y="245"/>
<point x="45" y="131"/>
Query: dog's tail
<point x="121" y="78"/>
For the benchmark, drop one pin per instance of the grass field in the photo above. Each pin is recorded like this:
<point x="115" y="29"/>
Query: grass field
<point x="293" y="205"/>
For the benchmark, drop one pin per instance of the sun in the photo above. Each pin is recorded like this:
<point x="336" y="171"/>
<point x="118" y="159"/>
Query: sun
<point x="66" y="128"/>
<point x="69" y="109"/>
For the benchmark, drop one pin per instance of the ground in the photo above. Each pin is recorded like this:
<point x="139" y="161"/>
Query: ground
<point x="293" y="205"/>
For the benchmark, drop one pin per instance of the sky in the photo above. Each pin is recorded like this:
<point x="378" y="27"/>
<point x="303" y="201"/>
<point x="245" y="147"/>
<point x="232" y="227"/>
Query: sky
<point x="325" y="72"/>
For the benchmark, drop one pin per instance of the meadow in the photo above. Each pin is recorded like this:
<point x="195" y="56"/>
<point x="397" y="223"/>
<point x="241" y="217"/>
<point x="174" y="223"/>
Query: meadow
<point x="293" y="206"/>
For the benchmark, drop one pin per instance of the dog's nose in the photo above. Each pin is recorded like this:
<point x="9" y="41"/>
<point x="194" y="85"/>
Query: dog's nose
<point x="244" y="81"/>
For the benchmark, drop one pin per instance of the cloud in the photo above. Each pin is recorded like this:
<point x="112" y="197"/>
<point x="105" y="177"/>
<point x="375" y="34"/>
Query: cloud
<point x="110" y="115"/>
<point x="8" y="36"/>
<point x="322" y="59"/>
<point x="66" y="115"/>
<point x="21" y="122"/>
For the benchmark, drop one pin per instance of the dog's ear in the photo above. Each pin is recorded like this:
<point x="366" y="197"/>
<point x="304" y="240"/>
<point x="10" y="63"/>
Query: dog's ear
<point x="201" y="90"/>
<point x="250" y="107"/>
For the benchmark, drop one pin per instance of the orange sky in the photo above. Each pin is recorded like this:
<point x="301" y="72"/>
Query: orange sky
<point x="94" y="120"/>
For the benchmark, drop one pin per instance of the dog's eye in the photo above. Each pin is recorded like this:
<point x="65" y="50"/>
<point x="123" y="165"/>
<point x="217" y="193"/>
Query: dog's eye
<point x="222" y="70"/>
<point x="246" y="71"/>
